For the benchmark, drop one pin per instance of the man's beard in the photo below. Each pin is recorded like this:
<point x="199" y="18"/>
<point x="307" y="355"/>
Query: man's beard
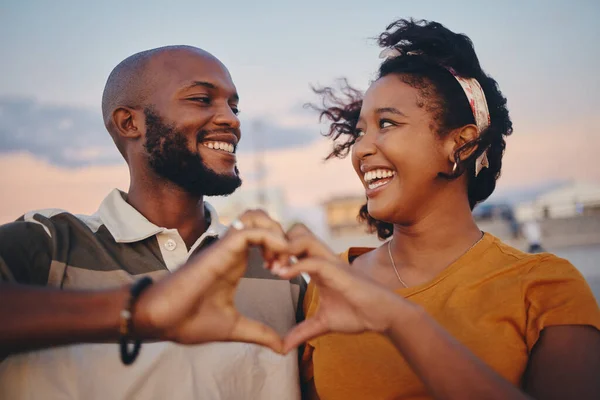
<point x="170" y="158"/>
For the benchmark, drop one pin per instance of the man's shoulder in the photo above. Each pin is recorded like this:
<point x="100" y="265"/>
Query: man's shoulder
<point x="45" y="213"/>
<point x="33" y="221"/>
<point x="29" y="245"/>
<point x="50" y="218"/>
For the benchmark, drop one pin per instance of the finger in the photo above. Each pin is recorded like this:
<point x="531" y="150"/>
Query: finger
<point x="264" y="238"/>
<point x="304" y="243"/>
<point x="303" y="332"/>
<point x="298" y="229"/>
<point x="250" y="331"/>
<point x="226" y="256"/>
<point x="310" y="246"/>
<point x="270" y="243"/>
<point x="260" y="219"/>
<point x="317" y="268"/>
<point x="322" y="271"/>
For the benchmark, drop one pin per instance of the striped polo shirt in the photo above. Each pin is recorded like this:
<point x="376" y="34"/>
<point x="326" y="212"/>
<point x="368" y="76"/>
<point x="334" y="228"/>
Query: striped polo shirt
<point x="115" y="246"/>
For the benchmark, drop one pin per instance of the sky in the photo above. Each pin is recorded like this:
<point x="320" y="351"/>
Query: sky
<point x="56" y="56"/>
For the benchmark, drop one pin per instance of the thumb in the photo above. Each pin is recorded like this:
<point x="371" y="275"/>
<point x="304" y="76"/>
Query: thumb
<point x="250" y="331"/>
<point x="303" y="332"/>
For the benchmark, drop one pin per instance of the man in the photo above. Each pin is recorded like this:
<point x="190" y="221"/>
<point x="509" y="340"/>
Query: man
<point x="172" y="114"/>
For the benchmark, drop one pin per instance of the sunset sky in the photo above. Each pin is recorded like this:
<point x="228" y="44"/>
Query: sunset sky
<point x="56" y="56"/>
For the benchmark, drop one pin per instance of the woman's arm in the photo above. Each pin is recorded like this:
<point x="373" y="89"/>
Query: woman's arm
<point x="565" y="364"/>
<point x="351" y="304"/>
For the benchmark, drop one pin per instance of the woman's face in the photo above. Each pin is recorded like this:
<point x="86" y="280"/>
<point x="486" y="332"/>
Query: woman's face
<point x="399" y="155"/>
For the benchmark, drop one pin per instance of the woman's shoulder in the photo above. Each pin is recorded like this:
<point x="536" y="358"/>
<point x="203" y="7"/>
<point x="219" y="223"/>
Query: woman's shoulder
<point x="352" y="253"/>
<point x="537" y="264"/>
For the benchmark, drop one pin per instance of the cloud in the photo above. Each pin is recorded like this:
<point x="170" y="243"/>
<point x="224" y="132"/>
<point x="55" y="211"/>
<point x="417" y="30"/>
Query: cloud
<point x="74" y="137"/>
<point x="30" y="183"/>
<point x="63" y="135"/>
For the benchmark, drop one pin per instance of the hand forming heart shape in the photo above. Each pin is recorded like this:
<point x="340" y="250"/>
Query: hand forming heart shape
<point x="196" y="303"/>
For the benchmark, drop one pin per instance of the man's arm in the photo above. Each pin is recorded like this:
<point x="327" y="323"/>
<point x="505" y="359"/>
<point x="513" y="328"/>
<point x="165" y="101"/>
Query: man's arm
<point x="33" y="317"/>
<point x="191" y="306"/>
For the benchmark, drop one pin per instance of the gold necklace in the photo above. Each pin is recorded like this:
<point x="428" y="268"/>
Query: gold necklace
<point x="394" y="264"/>
<point x="396" y="269"/>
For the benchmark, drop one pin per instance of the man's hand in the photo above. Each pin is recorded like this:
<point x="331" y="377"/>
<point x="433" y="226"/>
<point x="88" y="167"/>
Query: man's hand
<point x="196" y="303"/>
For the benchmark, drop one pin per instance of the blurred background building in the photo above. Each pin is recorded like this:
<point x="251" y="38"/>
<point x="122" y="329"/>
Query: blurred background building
<point x="568" y="215"/>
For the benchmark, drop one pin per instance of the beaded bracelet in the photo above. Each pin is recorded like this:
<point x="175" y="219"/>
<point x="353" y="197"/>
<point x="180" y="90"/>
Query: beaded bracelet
<point x="126" y="326"/>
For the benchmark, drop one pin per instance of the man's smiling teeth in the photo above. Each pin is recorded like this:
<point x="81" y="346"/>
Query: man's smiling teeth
<point x="377" y="177"/>
<point x="228" y="147"/>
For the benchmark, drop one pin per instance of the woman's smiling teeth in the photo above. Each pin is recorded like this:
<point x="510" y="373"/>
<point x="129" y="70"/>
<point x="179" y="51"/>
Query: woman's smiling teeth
<point x="378" y="177"/>
<point x="228" y="147"/>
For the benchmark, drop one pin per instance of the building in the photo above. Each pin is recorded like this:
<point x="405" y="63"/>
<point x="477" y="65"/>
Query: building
<point x="568" y="215"/>
<point x="343" y="226"/>
<point x="341" y="214"/>
<point x="342" y="218"/>
<point x="567" y="201"/>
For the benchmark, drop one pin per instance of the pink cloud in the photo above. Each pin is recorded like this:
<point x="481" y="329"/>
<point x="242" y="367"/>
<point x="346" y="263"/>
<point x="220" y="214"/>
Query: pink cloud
<point x="28" y="184"/>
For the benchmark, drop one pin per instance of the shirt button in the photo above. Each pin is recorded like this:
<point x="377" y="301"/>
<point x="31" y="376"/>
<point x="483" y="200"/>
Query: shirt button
<point x="170" y="245"/>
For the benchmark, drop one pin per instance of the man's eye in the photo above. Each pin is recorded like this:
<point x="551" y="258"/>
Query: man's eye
<point x="205" y="100"/>
<point x="235" y="110"/>
<point x="359" y="133"/>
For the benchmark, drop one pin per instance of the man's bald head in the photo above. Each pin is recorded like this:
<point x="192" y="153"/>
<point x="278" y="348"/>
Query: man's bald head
<point x="132" y="82"/>
<point x="165" y="109"/>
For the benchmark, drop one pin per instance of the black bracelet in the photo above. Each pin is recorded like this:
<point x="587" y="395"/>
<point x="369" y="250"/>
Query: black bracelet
<point x="126" y="327"/>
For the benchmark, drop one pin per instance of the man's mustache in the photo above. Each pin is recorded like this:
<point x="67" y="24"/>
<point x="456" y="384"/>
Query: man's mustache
<point x="206" y="132"/>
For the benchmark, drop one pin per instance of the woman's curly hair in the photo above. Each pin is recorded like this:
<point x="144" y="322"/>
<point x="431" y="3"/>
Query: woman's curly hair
<point x="426" y="51"/>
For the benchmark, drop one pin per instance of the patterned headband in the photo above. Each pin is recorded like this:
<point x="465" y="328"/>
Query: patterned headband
<point x="475" y="96"/>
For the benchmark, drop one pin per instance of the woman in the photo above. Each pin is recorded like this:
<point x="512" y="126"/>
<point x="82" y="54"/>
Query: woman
<point x="463" y="315"/>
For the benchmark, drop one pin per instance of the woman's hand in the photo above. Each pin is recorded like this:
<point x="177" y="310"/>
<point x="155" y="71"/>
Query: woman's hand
<point x="347" y="303"/>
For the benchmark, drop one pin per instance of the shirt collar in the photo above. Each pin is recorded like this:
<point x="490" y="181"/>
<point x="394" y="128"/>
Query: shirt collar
<point x="127" y="225"/>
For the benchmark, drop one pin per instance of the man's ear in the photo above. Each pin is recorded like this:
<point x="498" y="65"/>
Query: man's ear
<point x="129" y="123"/>
<point x="458" y="138"/>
